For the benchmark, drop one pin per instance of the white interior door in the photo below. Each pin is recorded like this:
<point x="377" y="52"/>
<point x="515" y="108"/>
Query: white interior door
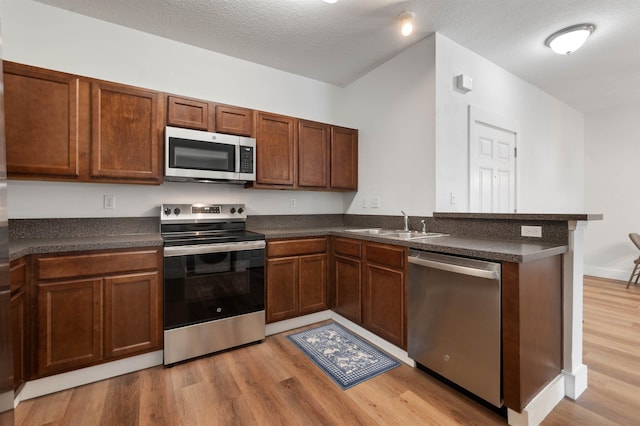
<point x="492" y="163"/>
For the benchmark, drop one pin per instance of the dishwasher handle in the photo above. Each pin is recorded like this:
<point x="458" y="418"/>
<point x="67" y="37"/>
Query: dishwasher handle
<point x="452" y="267"/>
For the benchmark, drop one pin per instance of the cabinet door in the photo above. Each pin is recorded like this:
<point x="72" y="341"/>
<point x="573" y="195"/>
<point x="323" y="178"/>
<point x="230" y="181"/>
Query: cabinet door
<point x="282" y="288"/>
<point x="384" y="303"/>
<point x="69" y="325"/>
<point x="125" y="137"/>
<point x="313" y="283"/>
<point x="234" y="120"/>
<point x="313" y="154"/>
<point x="348" y="286"/>
<point x="19" y="335"/>
<point x="47" y="122"/>
<point x="344" y="158"/>
<point x="275" y="149"/>
<point x="188" y="113"/>
<point x="132" y="307"/>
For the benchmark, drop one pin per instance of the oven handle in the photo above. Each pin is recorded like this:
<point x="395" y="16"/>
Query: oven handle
<point x="214" y="248"/>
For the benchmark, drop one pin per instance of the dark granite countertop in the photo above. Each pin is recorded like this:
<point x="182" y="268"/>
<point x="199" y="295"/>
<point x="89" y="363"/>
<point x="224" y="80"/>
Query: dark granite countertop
<point x="23" y="247"/>
<point x="510" y="251"/>
<point x="519" y="216"/>
<point x="57" y="236"/>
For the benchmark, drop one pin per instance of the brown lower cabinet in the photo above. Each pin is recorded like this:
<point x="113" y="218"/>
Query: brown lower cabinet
<point x="17" y="283"/>
<point x="531" y="328"/>
<point x="296" y="278"/>
<point x="95" y="307"/>
<point x="370" y="287"/>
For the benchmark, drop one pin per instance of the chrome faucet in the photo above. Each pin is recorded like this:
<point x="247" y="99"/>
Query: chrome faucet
<point x="424" y="226"/>
<point x="406" y="221"/>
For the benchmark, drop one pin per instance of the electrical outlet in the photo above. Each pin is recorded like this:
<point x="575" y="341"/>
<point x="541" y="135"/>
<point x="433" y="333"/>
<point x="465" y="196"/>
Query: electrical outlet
<point x="452" y="199"/>
<point x="375" y="202"/>
<point x="109" y="202"/>
<point x="531" y="231"/>
<point x="292" y="203"/>
<point x="364" y="203"/>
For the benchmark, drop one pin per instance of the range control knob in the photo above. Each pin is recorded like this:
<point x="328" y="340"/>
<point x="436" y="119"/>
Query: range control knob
<point x="176" y="211"/>
<point x="233" y="210"/>
<point x="167" y="211"/>
<point x="240" y="210"/>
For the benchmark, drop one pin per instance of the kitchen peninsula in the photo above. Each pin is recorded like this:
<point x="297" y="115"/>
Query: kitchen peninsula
<point x="544" y="271"/>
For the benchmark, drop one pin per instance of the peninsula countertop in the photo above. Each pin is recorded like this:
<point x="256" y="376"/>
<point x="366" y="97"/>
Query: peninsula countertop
<point x="499" y="250"/>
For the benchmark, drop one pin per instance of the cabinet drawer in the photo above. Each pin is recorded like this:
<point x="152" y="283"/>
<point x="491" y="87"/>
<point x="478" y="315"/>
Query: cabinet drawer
<point x="386" y="255"/>
<point x="17" y="275"/>
<point x="55" y="267"/>
<point x="296" y="247"/>
<point x="348" y="247"/>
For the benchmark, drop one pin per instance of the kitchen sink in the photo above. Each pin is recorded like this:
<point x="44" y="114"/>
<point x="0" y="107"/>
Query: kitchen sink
<point x="373" y="231"/>
<point x="396" y="234"/>
<point x="428" y="235"/>
<point x="413" y="235"/>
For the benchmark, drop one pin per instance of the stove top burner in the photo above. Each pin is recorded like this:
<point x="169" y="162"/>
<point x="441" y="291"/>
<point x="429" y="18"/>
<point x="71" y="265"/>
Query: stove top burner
<point x="193" y="224"/>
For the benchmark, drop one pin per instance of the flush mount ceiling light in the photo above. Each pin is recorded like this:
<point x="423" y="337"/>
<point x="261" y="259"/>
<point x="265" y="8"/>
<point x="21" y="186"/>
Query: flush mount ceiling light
<point x="330" y="1"/>
<point x="406" y="23"/>
<point x="569" y="39"/>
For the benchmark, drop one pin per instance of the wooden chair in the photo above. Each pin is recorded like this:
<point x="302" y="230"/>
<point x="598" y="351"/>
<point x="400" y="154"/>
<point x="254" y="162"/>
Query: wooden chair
<point x="636" y="268"/>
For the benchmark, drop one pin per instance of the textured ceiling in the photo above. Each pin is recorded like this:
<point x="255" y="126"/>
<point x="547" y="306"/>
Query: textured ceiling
<point x="340" y="42"/>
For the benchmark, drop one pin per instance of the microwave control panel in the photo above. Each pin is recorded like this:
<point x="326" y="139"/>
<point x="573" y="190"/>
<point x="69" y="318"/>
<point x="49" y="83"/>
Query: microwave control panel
<point x="246" y="159"/>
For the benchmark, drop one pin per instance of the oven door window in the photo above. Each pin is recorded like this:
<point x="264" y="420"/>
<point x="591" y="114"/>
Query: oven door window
<point x="206" y="287"/>
<point x="190" y="154"/>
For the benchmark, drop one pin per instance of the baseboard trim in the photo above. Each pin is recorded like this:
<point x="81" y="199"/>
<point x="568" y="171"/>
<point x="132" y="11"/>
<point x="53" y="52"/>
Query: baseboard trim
<point x="540" y="406"/>
<point x="71" y="379"/>
<point x="612" y="274"/>
<point x="293" y="323"/>
<point x="576" y="381"/>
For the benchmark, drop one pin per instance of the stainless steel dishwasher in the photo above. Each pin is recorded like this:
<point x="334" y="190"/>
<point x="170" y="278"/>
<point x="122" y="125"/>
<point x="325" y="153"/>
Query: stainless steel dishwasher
<point x="454" y="321"/>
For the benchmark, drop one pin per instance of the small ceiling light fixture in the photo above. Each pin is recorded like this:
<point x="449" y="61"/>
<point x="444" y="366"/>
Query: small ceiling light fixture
<point x="330" y="1"/>
<point x="569" y="39"/>
<point x="406" y="23"/>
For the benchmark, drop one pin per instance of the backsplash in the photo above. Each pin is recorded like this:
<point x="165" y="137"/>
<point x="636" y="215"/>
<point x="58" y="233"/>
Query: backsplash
<point x="81" y="227"/>
<point x="553" y="232"/>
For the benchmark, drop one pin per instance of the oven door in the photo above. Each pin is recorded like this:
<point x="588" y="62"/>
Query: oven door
<point x="210" y="282"/>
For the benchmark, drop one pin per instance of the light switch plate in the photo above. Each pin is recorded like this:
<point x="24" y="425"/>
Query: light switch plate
<point x="531" y="231"/>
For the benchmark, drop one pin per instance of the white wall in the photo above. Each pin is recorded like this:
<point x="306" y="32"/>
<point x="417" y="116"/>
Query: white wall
<point x="44" y="36"/>
<point x="550" y="175"/>
<point x="393" y="107"/>
<point x="612" y="162"/>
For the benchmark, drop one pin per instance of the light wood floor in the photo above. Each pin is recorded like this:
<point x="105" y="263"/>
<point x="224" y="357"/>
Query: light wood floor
<point x="273" y="383"/>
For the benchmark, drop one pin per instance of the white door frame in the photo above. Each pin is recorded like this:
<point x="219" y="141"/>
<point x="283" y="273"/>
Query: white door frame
<point x="477" y="114"/>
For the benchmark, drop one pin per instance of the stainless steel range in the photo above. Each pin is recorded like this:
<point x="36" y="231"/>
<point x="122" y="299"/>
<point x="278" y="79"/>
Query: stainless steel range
<point x="213" y="280"/>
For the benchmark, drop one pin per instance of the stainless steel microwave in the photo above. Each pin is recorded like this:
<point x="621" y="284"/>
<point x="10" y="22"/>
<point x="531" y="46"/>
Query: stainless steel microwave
<point x="197" y="156"/>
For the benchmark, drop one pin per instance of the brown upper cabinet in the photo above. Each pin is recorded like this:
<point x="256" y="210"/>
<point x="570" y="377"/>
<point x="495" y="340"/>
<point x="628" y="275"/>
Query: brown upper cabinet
<point x="203" y="115"/>
<point x="47" y="122"/>
<point x="275" y="150"/>
<point x="188" y="113"/>
<point x="313" y="154"/>
<point x="125" y="138"/>
<point x="300" y="154"/>
<point x="344" y="158"/>
<point x="66" y="127"/>
<point x="234" y="120"/>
